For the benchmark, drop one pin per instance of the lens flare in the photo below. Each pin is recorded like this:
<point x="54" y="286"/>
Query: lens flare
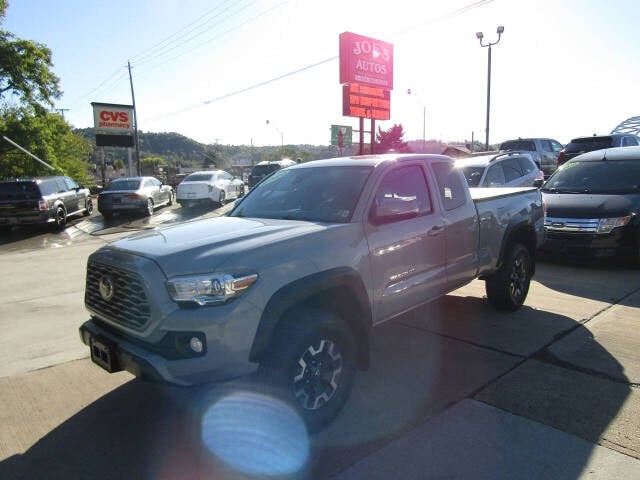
<point x="256" y="434"/>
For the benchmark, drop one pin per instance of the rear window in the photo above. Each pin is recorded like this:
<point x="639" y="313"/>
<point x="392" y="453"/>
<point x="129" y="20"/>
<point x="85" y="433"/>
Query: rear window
<point x="19" y="191"/>
<point x="259" y="170"/>
<point x="199" y="177"/>
<point x="123" y="185"/>
<point x="582" y="145"/>
<point x="523" y="145"/>
<point x="473" y="175"/>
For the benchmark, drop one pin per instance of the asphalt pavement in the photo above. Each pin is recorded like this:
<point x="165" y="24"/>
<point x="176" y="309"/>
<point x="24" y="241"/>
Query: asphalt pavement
<point x="455" y="390"/>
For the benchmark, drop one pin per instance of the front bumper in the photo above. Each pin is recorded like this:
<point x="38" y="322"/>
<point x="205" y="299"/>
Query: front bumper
<point x="619" y="242"/>
<point x="164" y="361"/>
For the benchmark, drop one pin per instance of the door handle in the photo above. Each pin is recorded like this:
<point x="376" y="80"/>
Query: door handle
<point x="435" y="230"/>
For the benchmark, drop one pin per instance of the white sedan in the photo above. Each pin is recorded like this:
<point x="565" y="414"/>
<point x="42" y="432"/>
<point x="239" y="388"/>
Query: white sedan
<point x="213" y="186"/>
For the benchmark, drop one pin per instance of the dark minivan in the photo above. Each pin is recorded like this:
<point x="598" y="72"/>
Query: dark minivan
<point x="43" y="200"/>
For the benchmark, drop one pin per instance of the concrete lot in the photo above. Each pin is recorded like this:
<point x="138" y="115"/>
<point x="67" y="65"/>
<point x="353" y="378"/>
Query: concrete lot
<point x="455" y="389"/>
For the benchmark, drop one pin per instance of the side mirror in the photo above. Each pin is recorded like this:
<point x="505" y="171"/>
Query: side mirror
<point x="394" y="209"/>
<point x="538" y="183"/>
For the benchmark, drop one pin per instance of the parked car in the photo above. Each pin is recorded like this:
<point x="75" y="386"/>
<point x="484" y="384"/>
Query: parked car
<point x="293" y="280"/>
<point x="42" y="200"/>
<point x="262" y="169"/>
<point x="544" y="151"/>
<point x="506" y="170"/>
<point x="142" y="194"/>
<point x="207" y="187"/>
<point x="593" y="205"/>
<point x="581" y="145"/>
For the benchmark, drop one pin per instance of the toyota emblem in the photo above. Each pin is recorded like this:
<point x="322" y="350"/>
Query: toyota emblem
<point x="106" y="288"/>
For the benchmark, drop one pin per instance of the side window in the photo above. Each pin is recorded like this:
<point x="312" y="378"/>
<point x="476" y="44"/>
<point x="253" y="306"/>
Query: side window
<point x="49" y="186"/>
<point x="450" y="185"/>
<point x="495" y="176"/>
<point x="629" y="142"/>
<point x="546" y="146"/>
<point x="61" y="185"/>
<point x="556" y="146"/>
<point x="526" y="165"/>
<point x="404" y="190"/>
<point x="511" y="169"/>
<point x="71" y="185"/>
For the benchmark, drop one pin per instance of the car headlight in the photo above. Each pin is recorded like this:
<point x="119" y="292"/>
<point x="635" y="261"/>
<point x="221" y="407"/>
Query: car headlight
<point x="209" y="289"/>
<point x="608" y="224"/>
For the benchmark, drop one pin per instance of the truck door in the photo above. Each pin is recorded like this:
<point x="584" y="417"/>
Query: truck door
<point x="406" y="242"/>
<point x="461" y="225"/>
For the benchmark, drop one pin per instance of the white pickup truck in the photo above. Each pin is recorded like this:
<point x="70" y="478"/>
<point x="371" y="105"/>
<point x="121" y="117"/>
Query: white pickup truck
<point x="291" y="282"/>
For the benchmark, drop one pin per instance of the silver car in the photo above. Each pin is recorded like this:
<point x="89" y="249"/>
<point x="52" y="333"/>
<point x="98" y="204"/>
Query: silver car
<point x="506" y="170"/>
<point x="141" y="194"/>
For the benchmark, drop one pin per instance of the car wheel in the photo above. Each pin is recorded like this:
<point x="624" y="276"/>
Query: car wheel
<point x="149" y="208"/>
<point x="312" y="363"/>
<point x="241" y="192"/>
<point x="507" y="288"/>
<point x="88" y="208"/>
<point x="61" y="218"/>
<point x="222" y="197"/>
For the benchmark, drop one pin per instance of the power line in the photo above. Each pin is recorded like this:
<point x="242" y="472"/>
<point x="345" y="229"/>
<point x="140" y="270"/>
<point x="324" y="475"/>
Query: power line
<point x="454" y="13"/>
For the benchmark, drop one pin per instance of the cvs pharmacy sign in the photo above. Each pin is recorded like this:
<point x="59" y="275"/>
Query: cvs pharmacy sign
<point x="112" y="117"/>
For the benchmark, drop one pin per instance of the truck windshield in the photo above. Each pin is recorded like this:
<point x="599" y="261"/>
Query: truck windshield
<point x="317" y="194"/>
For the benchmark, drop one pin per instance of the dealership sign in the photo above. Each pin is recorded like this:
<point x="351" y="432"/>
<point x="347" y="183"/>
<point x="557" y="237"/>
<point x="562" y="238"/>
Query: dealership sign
<point x="366" y="61"/>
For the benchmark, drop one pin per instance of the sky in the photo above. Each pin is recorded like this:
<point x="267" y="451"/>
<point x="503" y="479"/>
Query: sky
<point x="217" y="70"/>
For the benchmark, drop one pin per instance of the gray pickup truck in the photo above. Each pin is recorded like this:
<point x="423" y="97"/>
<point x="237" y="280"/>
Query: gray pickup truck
<point x="290" y="283"/>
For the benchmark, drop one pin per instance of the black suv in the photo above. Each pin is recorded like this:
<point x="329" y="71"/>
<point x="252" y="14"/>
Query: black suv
<point x="43" y="200"/>
<point x="581" y="145"/>
<point x="266" y="168"/>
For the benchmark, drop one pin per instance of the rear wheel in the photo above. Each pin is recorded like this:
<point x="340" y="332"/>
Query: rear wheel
<point x="61" y="218"/>
<point x="312" y="362"/>
<point x="507" y="288"/>
<point x="149" y="208"/>
<point x="88" y="208"/>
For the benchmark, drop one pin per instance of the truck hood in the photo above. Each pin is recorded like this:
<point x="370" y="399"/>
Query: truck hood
<point x="585" y="205"/>
<point x="202" y="245"/>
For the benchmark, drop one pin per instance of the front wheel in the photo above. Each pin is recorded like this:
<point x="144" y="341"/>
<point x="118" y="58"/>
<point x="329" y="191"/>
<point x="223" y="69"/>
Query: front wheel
<point x="507" y="288"/>
<point x="88" y="208"/>
<point x="221" y="198"/>
<point x="312" y="361"/>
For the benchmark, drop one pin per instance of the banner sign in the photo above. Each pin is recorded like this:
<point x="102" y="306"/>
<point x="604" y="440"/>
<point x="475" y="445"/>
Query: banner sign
<point x="366" y="102"/>
<point x="366" y="61"/>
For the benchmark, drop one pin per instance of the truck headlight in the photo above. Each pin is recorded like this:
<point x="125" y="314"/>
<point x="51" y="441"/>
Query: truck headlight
<point x="209" y="289"/>
<point x="607" y="224"/>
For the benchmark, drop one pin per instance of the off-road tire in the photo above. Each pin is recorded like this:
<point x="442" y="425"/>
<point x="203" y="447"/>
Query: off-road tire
<point x="311" y="362"/>
<point x="507" y="288"/>
<point x="61" y="218"/>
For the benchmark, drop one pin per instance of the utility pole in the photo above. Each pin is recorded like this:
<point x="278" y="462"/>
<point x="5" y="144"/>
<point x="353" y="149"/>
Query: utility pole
<point x="135" y="121"/>
<point x="61" y="111"/>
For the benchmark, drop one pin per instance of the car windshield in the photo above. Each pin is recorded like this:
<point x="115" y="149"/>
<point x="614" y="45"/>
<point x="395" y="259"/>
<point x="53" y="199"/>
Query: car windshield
<point x="123" y="185"/>
<point x="318" y="194"/>
<point x="199" y="177"/>
<point x="473" y="175"/>
<point x="604" y="177"/>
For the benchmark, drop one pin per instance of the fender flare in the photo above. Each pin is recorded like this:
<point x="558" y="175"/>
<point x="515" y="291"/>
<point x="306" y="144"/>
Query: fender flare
<point x="342" y="282"/>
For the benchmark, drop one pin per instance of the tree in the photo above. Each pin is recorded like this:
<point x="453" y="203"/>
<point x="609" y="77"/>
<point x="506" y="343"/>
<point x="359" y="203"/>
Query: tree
<point x="25" y="70"/>
<point x="391" y="140"/>
<point x="49" y="137"/>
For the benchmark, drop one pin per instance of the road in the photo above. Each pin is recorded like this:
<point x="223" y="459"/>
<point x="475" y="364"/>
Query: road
<point x="446" y="384"/>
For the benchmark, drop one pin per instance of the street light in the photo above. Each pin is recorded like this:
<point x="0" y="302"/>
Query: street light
<point x="424" y="117"/>
<point x="480" y="36"/>
<point x="281" y="136"/>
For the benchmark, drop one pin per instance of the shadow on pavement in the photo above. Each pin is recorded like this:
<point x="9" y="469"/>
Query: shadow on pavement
<point x="422" y="363"/>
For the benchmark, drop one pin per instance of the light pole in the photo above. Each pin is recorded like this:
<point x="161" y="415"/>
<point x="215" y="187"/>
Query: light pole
<point x="479" y="36"/>
<point x="281" y="136"/>
<point x="424" y="117"/>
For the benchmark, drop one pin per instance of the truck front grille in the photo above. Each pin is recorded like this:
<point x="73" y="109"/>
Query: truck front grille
<point x="117" y="295"/>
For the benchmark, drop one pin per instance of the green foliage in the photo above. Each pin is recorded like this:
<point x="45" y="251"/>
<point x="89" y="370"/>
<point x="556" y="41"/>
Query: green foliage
<point x="25" y="70"/>
<point x="47" y="136"/>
